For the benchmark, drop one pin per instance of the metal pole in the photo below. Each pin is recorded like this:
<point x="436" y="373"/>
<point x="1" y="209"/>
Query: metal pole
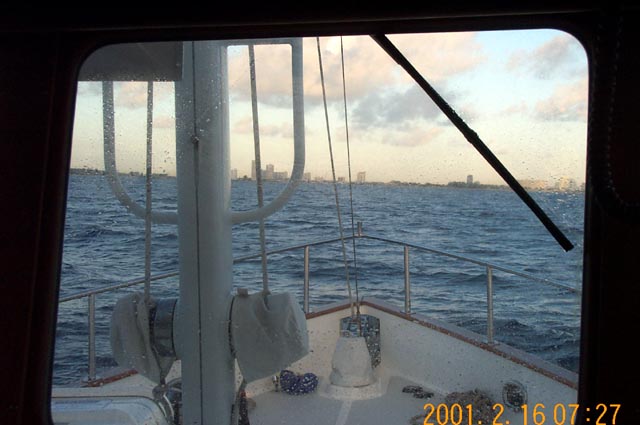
<point x="204" y="230"/>
<point x="92" y="337"/>
<point x="489" y="305"/>
<point x="306" y="279"/>
<point x="407" y="282"/>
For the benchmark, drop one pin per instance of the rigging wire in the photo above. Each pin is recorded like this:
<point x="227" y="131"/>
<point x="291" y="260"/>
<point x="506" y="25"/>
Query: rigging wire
<point x="258" y="166"/>
<point x="148" y="205"/>
<point x="353" y="228"/>
<point x="335" y="185"/>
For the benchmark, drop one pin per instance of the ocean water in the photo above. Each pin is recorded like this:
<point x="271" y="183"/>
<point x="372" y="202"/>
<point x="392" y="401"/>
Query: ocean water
<point x="104" y="245"/>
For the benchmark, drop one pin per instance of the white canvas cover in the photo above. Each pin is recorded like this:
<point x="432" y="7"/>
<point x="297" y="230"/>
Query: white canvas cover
<point x="351" y="363"/>
<point x="130" y="339"/>
<point x="269" y="332"/>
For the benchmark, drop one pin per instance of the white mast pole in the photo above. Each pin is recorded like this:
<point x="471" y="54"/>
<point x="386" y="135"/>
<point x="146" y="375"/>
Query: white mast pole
<point x="204" y="229"/>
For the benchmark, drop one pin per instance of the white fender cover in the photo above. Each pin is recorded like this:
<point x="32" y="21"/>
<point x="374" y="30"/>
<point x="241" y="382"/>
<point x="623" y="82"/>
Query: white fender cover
<point x="130" y="339"/>
<point x="268" y="333"/>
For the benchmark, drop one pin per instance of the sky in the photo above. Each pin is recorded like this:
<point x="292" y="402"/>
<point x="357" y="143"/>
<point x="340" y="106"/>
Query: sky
<point x="523" y="92"/>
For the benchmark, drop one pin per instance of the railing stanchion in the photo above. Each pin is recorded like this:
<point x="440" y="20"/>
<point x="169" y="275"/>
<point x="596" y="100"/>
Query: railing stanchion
<point x="92" y="337"/>
<point x="407" y="282"/>
<point x="306" y="279"/>
<point x="489" y="305"/>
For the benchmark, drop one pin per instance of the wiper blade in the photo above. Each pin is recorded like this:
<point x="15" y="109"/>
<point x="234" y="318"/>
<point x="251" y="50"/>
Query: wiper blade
<point x="473" y="138"/>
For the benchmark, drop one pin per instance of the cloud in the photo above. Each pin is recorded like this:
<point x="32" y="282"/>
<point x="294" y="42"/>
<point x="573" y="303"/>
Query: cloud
<point x="408" y="107"/>
<point x="245" y="126"/>
<point x="440" y="56"/>
<point x="557" y="57"/>
<point x="515" y="109"/>
<point x="394" y="109"/>
<point x="466" y="111"/>
<point x="367" y="66"/>
<point x="133" y="94"/>
<point x="130" y="94"/>
<point x="567" y="103"/>
<point x="273" y="74"/>
<point x="164" y="121"/>
<point x="89" y="88"/>
<point x="410" y="137"/>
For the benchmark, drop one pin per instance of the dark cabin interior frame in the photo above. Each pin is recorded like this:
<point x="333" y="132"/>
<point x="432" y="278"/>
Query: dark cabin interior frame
<point x="42" y="50"/>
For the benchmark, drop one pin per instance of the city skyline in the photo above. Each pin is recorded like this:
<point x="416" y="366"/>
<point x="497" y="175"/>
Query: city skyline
<point x="563" y="183"/>
<point x="270" y="174"/>
<point x="523" y="92"/>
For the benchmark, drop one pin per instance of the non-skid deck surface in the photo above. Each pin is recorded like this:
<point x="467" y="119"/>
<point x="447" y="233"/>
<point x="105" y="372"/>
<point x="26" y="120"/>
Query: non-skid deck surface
<point x="393" y="408"/>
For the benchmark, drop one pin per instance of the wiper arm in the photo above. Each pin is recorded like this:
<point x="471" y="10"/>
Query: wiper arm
<point x="473" y="138"/>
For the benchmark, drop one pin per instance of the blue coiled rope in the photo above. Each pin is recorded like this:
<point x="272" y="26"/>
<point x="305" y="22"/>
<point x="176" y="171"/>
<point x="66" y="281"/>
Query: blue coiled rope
<point x="295" y="384"/>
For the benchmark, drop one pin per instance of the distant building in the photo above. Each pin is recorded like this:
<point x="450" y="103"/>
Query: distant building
<point x="341" y="179"/>
<point x="470" y="179"/>
<point x="269" y="173"/>
<point x="532" y="184"/>
<point x="234" y="174"/>
<point x="566" y="183"/>
<point x="280" y="175"/>
<point x="306" y="177"/>
<point x="361" y="177"/>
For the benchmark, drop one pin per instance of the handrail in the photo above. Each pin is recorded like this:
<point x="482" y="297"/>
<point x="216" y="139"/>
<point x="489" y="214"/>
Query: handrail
<point x="242" y="259"/>
<point x="298" y="144"/>
<point x="110" y="168"/>
<point x="110" y="288"/>
<point x="289" y="248"/>
<point x="275" y="205"/>
<point x="489" y="267"/>
<point x="129" y="283"/>
<point x="474" y="261"/>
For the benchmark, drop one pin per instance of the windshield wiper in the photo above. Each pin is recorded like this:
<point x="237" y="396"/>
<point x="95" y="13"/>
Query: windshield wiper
<point x="473" y="138"/>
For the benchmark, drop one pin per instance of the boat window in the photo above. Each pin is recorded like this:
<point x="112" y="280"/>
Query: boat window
<point x="212" y="181"/>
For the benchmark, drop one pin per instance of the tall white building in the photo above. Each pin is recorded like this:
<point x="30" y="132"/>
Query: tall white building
<point x="270" y="173"/>
<point x="361" y="177"/>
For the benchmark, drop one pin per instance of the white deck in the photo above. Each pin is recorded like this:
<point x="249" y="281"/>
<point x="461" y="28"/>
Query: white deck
<point x="394" y="407"/>
<point x="439" y="357"/>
